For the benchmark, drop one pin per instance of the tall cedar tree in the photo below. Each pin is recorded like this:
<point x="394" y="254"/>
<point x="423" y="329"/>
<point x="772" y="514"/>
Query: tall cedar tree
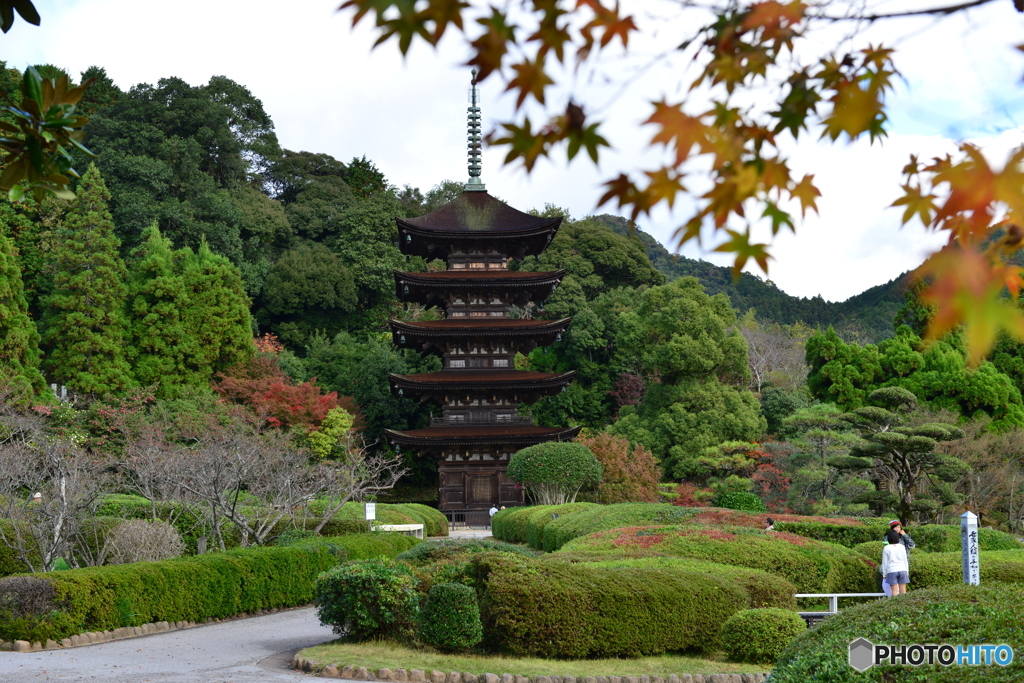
<point x="19" y="340"/>
<point x="84" y="328"/>
<point x="218" y="318"/>
<point x="161" y="347"/>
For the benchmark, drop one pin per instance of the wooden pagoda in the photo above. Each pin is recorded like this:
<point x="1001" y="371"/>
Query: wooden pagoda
<point x="478" y="390"/>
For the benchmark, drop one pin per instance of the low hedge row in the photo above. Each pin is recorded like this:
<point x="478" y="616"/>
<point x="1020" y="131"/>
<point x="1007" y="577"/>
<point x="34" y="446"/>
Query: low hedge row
<point x="957" y="615"/>
<point x="448" y="548"/>
<point x="520" y="525"/>
<point x="564" y="610"/>
<point x="363" y="546"/>
<point x="812" y="566"/>
<point x="928" y="570"/>
<point x="935" y="538"/>
<point x="763" y="589"/>
<point x="191" y="588"/>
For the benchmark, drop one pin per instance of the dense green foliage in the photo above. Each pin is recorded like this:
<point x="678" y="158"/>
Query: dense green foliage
<point x="450" y="618"/>
<point x="368" y="599"/>
<point x="760" y="635"/>
<point x="928" y="570"/>
<point x="739" y="500"/>
<point x="192" y="588"/>
<point x="434" y="550"/>
<point x="959" y="615"/>
<point x="19" y="338"/>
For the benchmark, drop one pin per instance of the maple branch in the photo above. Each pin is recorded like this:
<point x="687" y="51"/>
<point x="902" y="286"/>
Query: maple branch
<point x="934" y="11"/>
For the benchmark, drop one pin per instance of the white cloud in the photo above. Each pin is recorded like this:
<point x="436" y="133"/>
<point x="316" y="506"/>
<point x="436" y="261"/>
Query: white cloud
<point x="328" y="92"/>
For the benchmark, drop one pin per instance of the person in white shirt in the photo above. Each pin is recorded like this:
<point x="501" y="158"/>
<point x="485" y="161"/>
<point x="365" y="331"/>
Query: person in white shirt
<point x="895" y="564"/>
<point x="493" y="510"/>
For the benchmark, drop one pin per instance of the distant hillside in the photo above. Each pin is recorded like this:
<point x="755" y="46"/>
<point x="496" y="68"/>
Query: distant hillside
<point x="866" y="317"/>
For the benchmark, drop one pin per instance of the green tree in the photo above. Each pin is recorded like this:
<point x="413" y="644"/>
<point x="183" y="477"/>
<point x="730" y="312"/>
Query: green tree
<point x="309" y="289"/>
<point x="688" y="344"/>
<point x="555" y="472"/>
<point x="905" y="454"/>
<point x="84" y="328"/>
<point x="217" y="318"/>
<point x="161" y="346"/>
<point x="19" y="339"/>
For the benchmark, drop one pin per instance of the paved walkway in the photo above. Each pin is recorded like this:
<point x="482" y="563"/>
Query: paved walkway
<point x="254" y="650"/>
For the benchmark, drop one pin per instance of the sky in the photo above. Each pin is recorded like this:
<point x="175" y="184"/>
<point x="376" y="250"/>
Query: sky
<point x="328" y="91"/>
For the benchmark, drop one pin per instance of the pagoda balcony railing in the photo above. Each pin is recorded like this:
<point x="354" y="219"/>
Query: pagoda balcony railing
<point x="487" y="420"/>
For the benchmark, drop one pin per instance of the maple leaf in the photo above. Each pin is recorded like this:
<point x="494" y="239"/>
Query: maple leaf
<point x="917" y="203"/>
<point x="740" y="245"/>
<point x="628" y="194"/>
<point x="530" y="79"/>
<point x="442" y="13"/>
<point x="665" y="184"/>
<point x="807" y="193"/>
<point x="967" y="289"/>
<point x="778" y="217"/>
<point x="678" y="129"/>
<point x="525" y="144"/>
<point x="490" y="47"/>
<point x="549" y="34"/>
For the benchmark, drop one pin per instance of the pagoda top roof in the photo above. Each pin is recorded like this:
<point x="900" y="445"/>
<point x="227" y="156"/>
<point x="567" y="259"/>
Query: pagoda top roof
<point x="476" y="212"/>
<point x="476" y="220"/>
<point x="481" y="435"/>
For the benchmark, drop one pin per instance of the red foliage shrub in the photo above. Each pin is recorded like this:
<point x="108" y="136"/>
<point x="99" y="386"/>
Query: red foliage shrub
<point x="629" y="390"/>
<point x="639" y="537"/>
<point x="792" y="538"/>
<point x="685" y="496"/>
<point x="771" y="482"/>
<point x="261" y="385"/>
<point x="630" y="474"/>
<point x="714" y="534"/>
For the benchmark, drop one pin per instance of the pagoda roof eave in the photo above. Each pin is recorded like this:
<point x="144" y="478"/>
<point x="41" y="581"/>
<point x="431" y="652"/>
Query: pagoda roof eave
<point x="485" y="327"/>
<point x="499" y="279"/>
<point x="479" y="436"/>
<point x="450" y="380"/>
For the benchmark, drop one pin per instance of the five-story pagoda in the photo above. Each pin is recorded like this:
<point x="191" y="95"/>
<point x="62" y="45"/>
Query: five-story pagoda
<point x="478" y="390"/>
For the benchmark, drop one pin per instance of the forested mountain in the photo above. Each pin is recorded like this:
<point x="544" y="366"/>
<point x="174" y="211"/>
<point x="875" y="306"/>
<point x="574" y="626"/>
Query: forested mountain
<point x="864" y="318"/>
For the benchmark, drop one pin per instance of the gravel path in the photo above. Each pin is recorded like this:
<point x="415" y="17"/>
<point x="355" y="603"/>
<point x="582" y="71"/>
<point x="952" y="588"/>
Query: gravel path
<point x="254" y="650"/>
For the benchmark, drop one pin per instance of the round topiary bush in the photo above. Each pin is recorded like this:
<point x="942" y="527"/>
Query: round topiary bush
<point x="450" y="620"/>
<point x="554" y="472"/>
<point x="368" y="598"/>
<point x="739" y="500"/>
<point x="760" y="635"/>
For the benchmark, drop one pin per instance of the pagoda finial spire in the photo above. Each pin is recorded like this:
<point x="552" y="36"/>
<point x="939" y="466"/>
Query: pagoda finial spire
<point x="474" y="184"/>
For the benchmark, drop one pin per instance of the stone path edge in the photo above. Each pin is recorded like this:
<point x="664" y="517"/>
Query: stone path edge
<point x="126" y="632"/>
<point x="361" y="673"/>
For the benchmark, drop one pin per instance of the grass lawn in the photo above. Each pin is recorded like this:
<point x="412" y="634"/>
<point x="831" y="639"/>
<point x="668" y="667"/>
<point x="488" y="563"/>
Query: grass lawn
<point x="384" y="654"/>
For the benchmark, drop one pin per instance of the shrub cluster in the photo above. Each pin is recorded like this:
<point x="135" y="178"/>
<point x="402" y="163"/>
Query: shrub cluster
<point x="368" y="599"/>
<point x="959" y="615"/>
<point x="812" y="566"/>
<point x="562" y="610"/>
<point x="935" y="538"/>
<point x="760" y="635"/>
<point x="190" y="588"/>
<point x="739" y="500"/>
<point x="450" y="620"/>
<point x="445" y="549"/>
<point x="842" y="534"/>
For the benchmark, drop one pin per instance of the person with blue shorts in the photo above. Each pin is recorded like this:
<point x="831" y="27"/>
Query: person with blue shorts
<point x="895" y="563"/>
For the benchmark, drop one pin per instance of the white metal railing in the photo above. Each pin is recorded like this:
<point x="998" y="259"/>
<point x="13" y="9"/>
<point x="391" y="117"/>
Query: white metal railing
<point x="833" y="598"/>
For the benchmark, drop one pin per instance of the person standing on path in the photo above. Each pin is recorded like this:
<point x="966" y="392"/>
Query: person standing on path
<point x="895" y="564"/>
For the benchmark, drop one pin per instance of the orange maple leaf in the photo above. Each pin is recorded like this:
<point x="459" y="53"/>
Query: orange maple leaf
<point x="678" y="129"/>
<point x="807" y="193"/>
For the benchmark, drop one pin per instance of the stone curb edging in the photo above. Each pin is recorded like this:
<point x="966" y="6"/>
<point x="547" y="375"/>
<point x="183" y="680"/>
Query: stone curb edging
<point x="95" y="637"/>
<point x="361" y="673"/>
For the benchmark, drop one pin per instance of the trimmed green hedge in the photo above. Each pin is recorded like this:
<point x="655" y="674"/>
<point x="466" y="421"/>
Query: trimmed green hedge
<point x="760" y="635"/>
<point x="812" y="566"/>
<point x="579" y="519"/>
<point x="929" y="570"/>
<point x="364" y="546"/>
<point x="190" y="588"/>
<point x="935" y="538"/>
<point x="450" y="619"/>
<point x="958" y="615"/>
<point x="763" y="589"/>
<point x="448" y="548"/>
<point x="562" y="610"/>
<point x="9" y="561"/>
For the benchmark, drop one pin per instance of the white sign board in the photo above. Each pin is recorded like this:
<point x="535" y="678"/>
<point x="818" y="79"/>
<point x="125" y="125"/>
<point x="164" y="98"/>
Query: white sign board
<point x="969" y="548"/>
<point x="371" y="511"/>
